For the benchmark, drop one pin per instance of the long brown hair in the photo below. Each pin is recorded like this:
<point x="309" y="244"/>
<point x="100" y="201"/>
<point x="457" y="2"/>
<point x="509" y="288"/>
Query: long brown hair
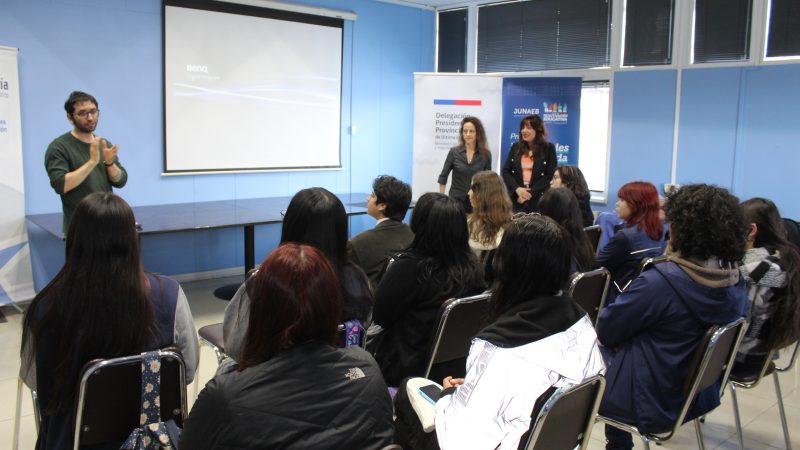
<point x="481" y="144"/>
<point x="491" y="207"/>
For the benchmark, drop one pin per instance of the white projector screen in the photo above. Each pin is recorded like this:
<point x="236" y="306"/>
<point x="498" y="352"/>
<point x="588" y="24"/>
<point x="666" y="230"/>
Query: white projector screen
<point x="250" y="89"/>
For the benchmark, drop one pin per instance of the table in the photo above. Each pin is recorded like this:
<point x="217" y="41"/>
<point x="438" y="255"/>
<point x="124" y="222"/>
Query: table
<point x="246" y="213"/>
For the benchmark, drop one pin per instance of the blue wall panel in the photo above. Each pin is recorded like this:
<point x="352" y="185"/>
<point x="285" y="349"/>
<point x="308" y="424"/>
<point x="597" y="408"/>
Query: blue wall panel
<point x="642" y="129"/>
<point x="709" y="115"/>
<point x="113" y="49"/>
<point x="768" y="149"/>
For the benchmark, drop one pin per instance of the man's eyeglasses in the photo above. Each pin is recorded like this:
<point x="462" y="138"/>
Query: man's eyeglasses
<point x="87" y="112"/>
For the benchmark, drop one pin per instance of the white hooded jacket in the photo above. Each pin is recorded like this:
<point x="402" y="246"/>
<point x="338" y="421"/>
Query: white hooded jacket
<point x="492" y="409"/>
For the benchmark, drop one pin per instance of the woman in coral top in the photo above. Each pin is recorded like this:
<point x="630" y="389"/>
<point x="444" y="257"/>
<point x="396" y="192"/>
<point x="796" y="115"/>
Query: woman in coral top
<point x="530" y="165"/>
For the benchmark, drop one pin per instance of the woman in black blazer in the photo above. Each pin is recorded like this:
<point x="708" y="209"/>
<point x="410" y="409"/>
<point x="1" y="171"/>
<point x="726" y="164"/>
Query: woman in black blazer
<point x="530" y="165"/>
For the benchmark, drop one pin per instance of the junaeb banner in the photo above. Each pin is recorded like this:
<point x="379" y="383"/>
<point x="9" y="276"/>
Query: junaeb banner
<point x="556" y="100"/>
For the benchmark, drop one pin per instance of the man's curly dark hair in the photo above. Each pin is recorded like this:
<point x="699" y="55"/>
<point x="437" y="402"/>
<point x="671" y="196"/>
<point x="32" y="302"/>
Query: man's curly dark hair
<point x="706" y="221"/>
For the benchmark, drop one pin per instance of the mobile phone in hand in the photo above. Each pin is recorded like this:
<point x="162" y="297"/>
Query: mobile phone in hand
<point x="431" y="393"/>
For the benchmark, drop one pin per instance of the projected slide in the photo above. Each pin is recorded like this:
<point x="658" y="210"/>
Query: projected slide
<point x="243" y="92"/>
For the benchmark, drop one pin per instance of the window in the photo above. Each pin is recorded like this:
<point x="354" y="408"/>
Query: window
<point x="452" y="41"/>
<point x="593" y="154"/>
<point x="648" y="32"/>
<point x="721" y="30"/>
<point x="543" y="34"/>
<point x="783" y="35"/>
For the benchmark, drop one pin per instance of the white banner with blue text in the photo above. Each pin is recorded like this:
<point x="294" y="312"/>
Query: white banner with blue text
<point x="441" y="101"/>
<point x="16" y="279"/>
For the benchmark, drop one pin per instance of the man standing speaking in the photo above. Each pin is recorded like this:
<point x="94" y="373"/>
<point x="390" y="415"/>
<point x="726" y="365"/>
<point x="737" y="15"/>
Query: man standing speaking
<point x="79" y="162"/>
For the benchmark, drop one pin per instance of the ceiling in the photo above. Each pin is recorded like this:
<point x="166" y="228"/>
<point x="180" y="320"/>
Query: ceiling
<point x="431" y="4"/>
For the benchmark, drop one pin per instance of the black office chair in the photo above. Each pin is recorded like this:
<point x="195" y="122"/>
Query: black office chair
<point x="211" y="337"/>
<point x="711" y="364"/>
<point x="459" y="321"/>
<point x="109" y="398"/>
<point x="566" y="419"/>
<point x="589" y="290"/>
<point x="749" y="381"/>
<point x="641" y="266"/>
<point x="594" y="233"/>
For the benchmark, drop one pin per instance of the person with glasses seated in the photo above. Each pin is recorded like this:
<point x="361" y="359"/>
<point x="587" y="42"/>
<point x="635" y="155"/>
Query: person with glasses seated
<point x="79" y="162"/>
<point x="388" y="205"/>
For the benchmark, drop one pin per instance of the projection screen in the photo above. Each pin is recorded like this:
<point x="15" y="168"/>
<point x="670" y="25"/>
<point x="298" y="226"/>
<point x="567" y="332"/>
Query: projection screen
<point x="250" y="89"/>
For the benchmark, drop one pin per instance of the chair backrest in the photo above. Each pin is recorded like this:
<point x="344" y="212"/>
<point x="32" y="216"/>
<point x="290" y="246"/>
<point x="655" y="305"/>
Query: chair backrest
<point x="459" y="321"/>
<point x="642" y="266"/>
<point x="589" y="290"/>
<point x="109" y="399"/>
<point x="566" y="419"/>
<point x="712" y="363"/>
<point x="594" y="233"/>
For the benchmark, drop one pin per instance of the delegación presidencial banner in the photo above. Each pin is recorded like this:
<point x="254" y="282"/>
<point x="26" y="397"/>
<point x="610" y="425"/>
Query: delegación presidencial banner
<point x="16" y="280"/>
<point x="441" y="101"/>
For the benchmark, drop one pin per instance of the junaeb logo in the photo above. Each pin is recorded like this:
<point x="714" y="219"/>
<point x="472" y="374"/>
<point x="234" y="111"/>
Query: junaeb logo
<point x="444" y="101"/>
<point x="555" y="113"/>
<point x="555" y="107"/>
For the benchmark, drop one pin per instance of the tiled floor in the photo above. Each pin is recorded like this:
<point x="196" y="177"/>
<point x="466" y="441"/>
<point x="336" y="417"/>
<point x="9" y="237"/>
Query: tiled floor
<point x="759" y="411"/>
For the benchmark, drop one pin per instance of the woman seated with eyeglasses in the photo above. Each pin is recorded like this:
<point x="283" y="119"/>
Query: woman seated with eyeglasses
<point x="101" y="304"/>
<point x="292" y="387"/>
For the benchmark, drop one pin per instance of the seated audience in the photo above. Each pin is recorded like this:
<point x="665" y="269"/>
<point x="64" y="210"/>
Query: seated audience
<point x="561" y="205"/>
<point x="491" y="212"/>
<point x="101" y="304"/>
<point x="315" y="217"/>
<point x="388" y="204"/>
<point x="537" y="337"/>
<point x="770" y="270"/>
<point x="572" y="178"/>
<point x="642" y="235"/>
<point x="437" y="266"/>
<point x="292" y="388"/>
<point x="653" y="328"/>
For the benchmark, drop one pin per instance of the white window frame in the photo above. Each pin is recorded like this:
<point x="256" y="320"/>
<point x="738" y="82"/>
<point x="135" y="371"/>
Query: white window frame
<point x="682" y="49"/>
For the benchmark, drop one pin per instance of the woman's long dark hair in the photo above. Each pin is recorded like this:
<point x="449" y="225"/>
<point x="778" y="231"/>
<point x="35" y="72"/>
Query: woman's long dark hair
<point x="539" y="141"/>
<point x="317" y="217"/>
<point x="561" y="205"/>
<point x="441" y="239"/>
<point x="771" y="235"/>
<point x="97" y="306"/>
<point x="532" y="261"/>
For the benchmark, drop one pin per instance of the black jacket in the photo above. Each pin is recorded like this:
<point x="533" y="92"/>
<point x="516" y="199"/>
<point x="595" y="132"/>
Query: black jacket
<point x="310" y="396"/>
<point x="407" y="307"/>
<point x="372" y="248"/>
<point x="544" y="167"/>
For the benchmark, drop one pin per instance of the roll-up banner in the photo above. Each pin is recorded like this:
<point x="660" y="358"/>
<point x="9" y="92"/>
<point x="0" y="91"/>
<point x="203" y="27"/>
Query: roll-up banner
<point x="16" y="279"/>
<point x="441" y="101"/>
<point x="556" y="100"/>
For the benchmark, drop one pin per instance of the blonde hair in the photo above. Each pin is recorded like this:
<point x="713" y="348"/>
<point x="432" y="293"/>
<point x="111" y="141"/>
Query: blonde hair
<point x="491" y="207"/>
